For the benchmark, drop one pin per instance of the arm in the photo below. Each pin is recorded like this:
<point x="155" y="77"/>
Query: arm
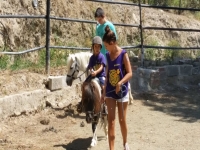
<point x="128" y="74"/>
<point x="94" y="73"/>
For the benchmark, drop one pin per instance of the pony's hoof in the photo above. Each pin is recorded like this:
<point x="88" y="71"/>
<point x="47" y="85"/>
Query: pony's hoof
<point x="131" y="102"/>
<point x="94" y="142"/>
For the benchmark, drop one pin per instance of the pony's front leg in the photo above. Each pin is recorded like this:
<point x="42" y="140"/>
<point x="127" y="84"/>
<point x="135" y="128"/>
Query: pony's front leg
<point x="94" y="138"/>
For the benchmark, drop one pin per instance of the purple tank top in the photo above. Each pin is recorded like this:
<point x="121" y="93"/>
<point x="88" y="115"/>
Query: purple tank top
<point x="116" y="71"/>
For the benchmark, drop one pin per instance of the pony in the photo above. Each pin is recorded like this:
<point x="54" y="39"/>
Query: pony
<point x="78" y="62"/>
<point x="93" y="108"/>
<point x="91" y="93"/>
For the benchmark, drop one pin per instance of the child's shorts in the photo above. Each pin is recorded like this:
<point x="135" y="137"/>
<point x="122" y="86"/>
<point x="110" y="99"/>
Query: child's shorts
<point x="102" y="80"/>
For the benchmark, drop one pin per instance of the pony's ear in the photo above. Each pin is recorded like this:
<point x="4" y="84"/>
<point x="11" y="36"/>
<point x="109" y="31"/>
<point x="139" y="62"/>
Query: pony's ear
<point x="72" y="57"/>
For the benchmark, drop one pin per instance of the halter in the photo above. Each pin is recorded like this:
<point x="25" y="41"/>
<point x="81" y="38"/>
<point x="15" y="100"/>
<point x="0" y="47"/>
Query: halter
<point x="75" y="72"/>
<point x="90" y="114"/>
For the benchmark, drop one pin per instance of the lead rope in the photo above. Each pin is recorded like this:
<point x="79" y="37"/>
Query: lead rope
<point x="120" y="93"/>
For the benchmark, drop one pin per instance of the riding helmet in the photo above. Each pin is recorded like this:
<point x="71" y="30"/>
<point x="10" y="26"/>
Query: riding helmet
<point x="97" y="40"/>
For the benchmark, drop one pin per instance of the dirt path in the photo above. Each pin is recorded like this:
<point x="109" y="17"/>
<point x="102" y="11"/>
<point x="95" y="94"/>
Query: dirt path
<point x="155" y="122"/>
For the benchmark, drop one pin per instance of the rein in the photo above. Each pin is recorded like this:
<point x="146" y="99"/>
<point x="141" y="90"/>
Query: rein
<point x="78" y="76"/>
<point x="76" y="70"/>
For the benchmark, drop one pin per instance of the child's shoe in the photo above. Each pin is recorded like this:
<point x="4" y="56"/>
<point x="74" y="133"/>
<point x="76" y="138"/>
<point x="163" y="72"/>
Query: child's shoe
<point x="126" y="147"/>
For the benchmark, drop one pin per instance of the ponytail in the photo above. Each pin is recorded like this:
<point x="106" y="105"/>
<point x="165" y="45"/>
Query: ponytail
<point x="109" y="35"/>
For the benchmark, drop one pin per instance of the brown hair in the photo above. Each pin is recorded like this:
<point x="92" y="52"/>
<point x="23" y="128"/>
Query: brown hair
<point x="109" y="35"/>
<point x="99" y="13"/>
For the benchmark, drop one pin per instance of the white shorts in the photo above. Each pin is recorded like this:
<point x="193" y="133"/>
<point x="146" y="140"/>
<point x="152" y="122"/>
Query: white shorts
<point x="123" y="99"/>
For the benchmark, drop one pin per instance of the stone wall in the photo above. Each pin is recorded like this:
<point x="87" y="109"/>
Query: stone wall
<point x="152" y="79"/>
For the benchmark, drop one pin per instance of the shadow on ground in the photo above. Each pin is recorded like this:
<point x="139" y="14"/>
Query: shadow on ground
<point x="77" y="144"/>
<point x="181" y="103"/>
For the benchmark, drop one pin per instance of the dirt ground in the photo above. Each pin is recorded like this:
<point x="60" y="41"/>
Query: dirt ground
<point x="165" y="120"/>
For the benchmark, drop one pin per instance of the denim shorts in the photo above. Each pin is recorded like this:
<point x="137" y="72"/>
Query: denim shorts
<point x="123" y="99"/>
<point x="102" y="80"/>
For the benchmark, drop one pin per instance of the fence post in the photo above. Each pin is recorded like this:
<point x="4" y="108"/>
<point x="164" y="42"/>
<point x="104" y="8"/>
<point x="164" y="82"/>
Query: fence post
<point x="141" y="35"/>
<point x="47" y="37"/>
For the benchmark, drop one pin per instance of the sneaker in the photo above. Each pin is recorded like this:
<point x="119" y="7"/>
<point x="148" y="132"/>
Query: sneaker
<point x="126" y="147"/>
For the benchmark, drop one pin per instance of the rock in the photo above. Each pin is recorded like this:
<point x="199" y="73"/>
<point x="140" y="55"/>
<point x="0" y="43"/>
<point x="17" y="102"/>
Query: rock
<point x="82" y="124"/>
<point x="45" y="121"/>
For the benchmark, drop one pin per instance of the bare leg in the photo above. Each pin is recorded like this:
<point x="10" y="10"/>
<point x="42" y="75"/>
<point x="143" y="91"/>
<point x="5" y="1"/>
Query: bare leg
<point x="122" y="119"/>
<point x="111" y="106"/>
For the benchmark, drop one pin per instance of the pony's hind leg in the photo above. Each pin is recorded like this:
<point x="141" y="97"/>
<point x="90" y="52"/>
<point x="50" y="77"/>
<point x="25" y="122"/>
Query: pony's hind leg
<point x="94" y="138"/>
<point x="130" y="95"/>
<point x="105" y="119"/>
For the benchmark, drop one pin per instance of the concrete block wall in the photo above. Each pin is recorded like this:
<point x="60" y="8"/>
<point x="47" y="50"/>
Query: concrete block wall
<point x="59" y="95"/>
<point x="23" y="102"/>
<point x="149" y="79"/>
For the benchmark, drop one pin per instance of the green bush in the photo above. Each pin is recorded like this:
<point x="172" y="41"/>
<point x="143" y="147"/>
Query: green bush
<point x="151" y="53"/>
<point x="4" y="61"/>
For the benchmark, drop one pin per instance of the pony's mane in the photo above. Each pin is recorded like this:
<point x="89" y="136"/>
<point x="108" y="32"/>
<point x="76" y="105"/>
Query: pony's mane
<point x="70" y="60"/>
<point x="90" y="95"/>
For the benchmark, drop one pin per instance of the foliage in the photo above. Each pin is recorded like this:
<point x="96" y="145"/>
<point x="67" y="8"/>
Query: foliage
<point x="197" y="15"/>
<point x="170" y="3"/>
<point x="172" y="53"/>
<point x="4" y="60"/>
<point x="150" y="53"/>
<point x="20" y="63"/>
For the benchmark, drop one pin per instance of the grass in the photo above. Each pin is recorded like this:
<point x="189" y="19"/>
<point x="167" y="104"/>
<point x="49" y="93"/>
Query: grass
<point x="4" y="60"/>
<point x="150" y="53"/>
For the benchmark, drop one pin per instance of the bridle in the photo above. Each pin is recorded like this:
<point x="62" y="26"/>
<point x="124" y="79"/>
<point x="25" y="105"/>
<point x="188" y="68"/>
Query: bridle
<point x="75" y="73"/>
<point x="91" y="116"/>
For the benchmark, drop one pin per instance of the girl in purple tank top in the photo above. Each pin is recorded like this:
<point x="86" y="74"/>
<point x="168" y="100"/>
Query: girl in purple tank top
<point x="118" y="73"/>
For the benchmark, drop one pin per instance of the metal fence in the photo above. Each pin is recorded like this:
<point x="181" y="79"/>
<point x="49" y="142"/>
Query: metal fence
<point x="48" y="19"/>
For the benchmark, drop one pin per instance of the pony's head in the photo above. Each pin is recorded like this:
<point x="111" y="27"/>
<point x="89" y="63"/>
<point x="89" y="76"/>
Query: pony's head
<point x="73" y="69"/>
<point x="91" y="101"/>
